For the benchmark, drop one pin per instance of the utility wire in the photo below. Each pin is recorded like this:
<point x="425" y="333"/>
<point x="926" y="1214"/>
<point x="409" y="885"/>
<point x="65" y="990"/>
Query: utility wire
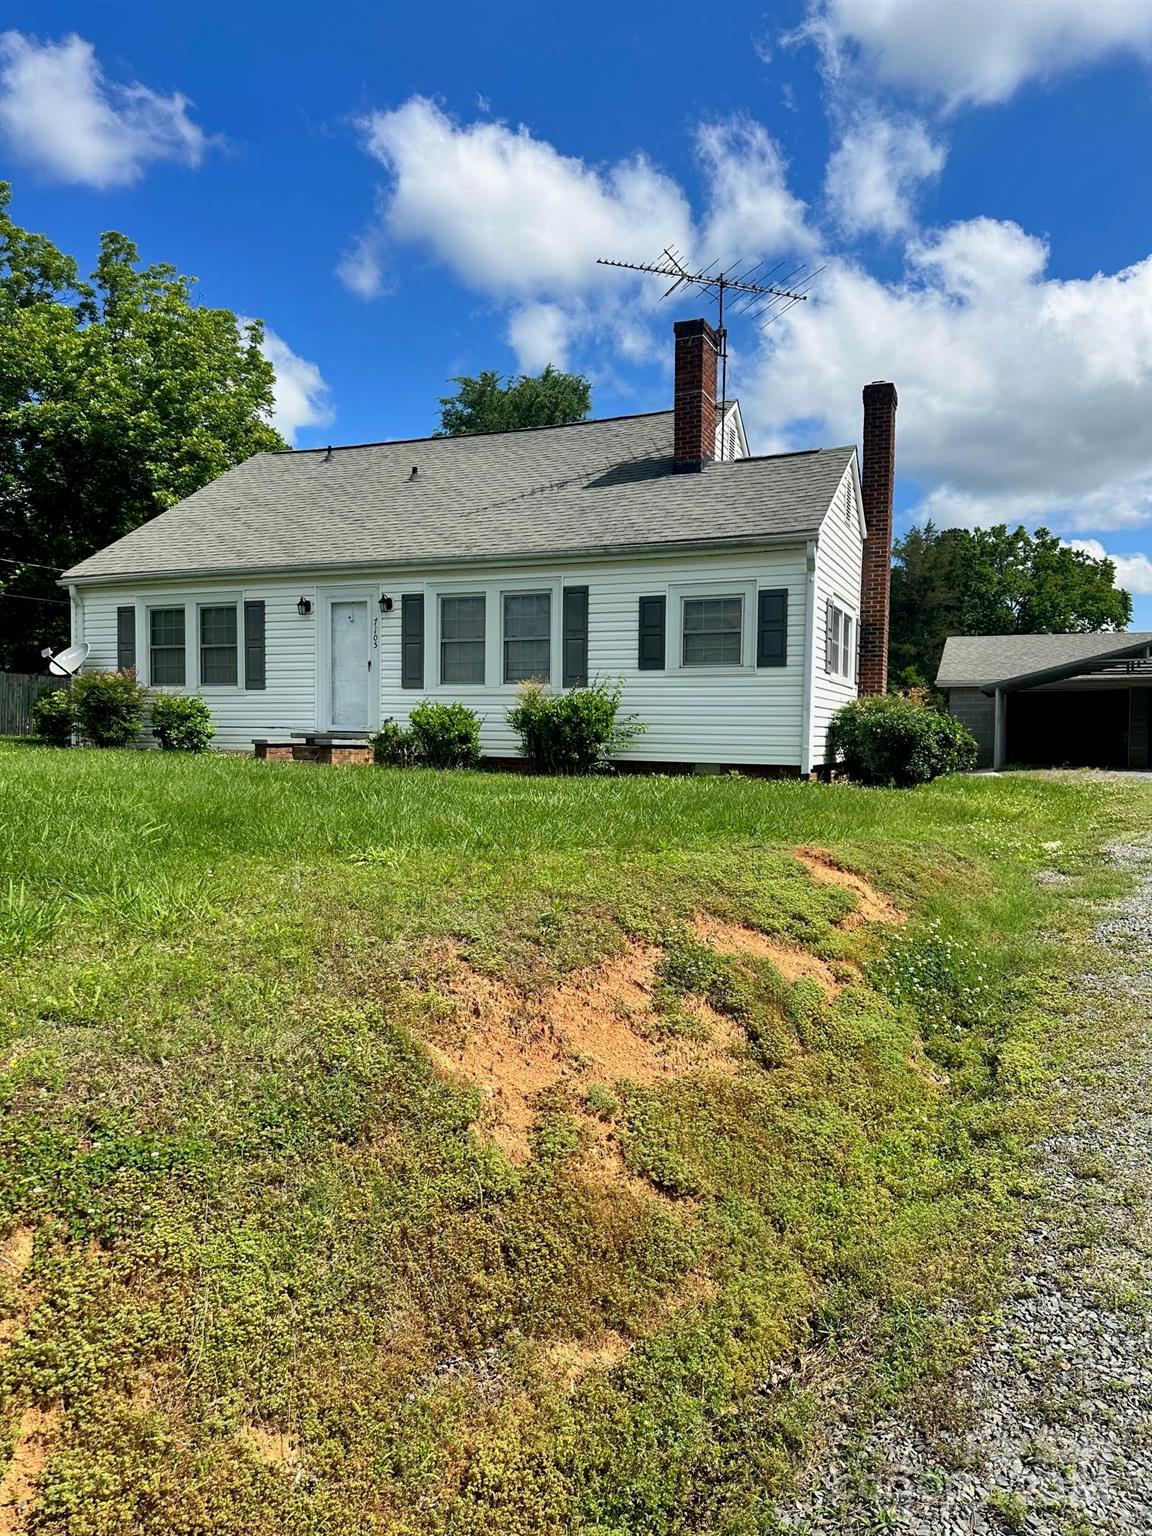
<point x="57" y="569"/>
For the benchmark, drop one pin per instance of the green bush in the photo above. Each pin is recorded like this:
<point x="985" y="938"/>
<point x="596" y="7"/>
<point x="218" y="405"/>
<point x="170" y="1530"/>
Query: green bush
<point x="181" y="723"/>
<point x="108" y="707"/>
<point x="52" y="717"/>
<point x="574" y="732"/>
<point x="392" y="745"/>
<point x="445" y="735"/>
<point x="898" y="739"/>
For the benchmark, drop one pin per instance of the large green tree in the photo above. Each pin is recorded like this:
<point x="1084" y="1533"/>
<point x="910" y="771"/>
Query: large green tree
<point x="118" y="396"/>
<point x="992" y="581"/>
<point x="489" y="403"/>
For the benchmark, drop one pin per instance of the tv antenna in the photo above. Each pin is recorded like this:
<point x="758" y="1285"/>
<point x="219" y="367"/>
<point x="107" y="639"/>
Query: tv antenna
<point x="755" y="296"/>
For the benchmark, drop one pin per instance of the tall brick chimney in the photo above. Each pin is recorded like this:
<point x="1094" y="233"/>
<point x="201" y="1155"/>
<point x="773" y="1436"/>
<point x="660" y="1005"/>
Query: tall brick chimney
<point x="877" y="481"/>
<point x="695" y="427"/>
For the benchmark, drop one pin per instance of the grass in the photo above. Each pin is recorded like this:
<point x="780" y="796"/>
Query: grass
<point x="281" y="1281"/>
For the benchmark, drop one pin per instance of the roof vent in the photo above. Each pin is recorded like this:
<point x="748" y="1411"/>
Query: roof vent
<point x="415" y="472"/>
<point x="327" y="457"/>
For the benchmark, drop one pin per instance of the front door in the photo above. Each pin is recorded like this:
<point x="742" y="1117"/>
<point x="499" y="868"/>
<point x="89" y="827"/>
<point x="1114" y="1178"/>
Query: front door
<point x="350" y="669"/>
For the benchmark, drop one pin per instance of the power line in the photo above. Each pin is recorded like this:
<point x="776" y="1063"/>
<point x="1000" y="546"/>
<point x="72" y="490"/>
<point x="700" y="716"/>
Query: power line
<point x="18" y="597"/>
<point x="55" y="569"/>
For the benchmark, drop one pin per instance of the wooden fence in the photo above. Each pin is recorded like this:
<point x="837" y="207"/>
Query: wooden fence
<point x="17" y="690"/>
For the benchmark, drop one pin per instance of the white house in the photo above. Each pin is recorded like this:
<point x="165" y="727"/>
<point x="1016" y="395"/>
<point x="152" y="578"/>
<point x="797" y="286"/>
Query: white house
<point x="324" y="590"/>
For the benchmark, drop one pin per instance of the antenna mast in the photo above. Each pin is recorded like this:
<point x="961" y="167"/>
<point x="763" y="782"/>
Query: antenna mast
<point x="758" y="296"/>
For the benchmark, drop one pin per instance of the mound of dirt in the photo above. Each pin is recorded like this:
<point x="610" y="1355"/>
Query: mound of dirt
<point x="792" y="962"/>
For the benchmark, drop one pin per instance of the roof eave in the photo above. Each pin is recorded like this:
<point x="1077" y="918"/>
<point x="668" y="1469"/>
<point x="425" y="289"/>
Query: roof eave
<point x="1081" y="668"/>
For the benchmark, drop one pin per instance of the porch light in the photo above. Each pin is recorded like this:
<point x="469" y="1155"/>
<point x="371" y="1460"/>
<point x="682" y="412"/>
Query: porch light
<point x="304" y="607"/>
<point x="385" y="603"/>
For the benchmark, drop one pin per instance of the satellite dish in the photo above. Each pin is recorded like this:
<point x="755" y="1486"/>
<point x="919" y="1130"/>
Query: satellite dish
<point x="69" y="661"/>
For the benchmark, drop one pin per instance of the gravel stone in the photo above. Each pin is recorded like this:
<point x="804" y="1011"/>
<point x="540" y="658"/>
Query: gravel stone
<point x="1057" y="1427"/>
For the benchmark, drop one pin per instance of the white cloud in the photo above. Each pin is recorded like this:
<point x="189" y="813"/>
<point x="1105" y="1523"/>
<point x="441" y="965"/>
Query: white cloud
<point x="876" y="171"/>
<point x="976" y="51"/>
<point x="300" y="394"/>
<point x="517" y="221"/>
<point x="361" y="268"/>
<point x="61" y="116"/>
<point x="1133" y="572"/>
<point x="1021" y="396"/>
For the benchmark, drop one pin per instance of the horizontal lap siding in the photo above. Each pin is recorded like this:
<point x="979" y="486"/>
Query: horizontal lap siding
<point x="741" y="716"/>
<point x="288" y="703"/>
<point x="839" y="553"/>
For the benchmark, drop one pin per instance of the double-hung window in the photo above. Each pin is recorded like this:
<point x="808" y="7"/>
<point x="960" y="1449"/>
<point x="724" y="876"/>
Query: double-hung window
<point x="713" y="632"/>
<point x="839" y="642"/>
<point x="218" y="655"/>
<point x="527" y="636"/>
<point x="462" y="639"/>
<point x="166" y="668"/>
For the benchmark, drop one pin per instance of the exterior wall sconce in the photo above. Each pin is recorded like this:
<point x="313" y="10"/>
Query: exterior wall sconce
<point x="304" y="607"/>
<point x="386" y="604"/>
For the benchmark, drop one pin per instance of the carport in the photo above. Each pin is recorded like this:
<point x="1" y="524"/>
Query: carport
<point x="1053" y="700"/>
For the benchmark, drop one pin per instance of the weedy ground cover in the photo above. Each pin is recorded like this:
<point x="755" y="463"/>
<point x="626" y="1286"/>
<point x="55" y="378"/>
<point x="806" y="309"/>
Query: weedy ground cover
<point x="281" y="1258"/>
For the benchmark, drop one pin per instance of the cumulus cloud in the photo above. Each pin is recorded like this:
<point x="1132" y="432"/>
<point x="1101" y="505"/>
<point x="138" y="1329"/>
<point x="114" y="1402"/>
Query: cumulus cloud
<point x="61" y="116"/>
<point x="1021" y="396"/>
<point x="977" y="52"/>
<point x="300" y="394"/>
<point x="517" y="221"/>
<point x="1133" y="572"/>
<point x="877" y="170"/>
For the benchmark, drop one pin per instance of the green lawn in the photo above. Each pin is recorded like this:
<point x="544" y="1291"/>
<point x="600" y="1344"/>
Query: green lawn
<point x="269" y="1270"/>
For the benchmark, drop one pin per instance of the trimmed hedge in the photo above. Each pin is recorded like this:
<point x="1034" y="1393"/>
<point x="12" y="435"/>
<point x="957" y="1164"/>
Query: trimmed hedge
<point x="108" y="707"/>
<point x="182" y="723"/>
<point x="899" y="739"/>
<point x="573" y="732"/>
<point x="445" y="735"/>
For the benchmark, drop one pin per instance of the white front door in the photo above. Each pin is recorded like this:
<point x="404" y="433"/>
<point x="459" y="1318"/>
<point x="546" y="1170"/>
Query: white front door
<point x="350" y="671"/>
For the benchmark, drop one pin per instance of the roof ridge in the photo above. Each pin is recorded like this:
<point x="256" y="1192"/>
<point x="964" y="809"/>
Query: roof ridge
<point x="457" y="437"/>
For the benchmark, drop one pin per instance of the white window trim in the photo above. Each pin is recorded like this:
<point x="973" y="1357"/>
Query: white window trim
<point x="695" y="589"/>
<point x="849" y="676"/>
<point x="192" y="602"/>
<point x="493" y="592"/>
<point x="212" y="602"/>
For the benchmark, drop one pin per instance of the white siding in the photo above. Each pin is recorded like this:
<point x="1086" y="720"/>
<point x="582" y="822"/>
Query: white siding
<point x="705" y="715"/>
<point x="839" y="554"/>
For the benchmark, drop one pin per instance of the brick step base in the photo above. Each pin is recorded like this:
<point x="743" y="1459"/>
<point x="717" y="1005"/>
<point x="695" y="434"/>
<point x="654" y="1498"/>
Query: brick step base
<point x="332" y="756"/>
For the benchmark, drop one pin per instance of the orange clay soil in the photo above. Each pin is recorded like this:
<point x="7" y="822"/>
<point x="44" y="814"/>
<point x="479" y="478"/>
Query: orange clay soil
<point x="37" y="1428"/>
<point x="871" y="906"/>
<point x="791" y="962"/>
<point x="272" y="1448"/>
<point x="589" y="1029"/>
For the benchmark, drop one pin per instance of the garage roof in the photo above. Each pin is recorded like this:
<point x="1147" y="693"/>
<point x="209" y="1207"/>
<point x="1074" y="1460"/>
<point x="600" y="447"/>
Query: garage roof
<point x="981" y="661"/>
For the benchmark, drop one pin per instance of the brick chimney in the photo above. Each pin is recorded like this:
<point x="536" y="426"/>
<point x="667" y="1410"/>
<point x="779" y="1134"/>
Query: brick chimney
<point x="695" y="427"/>
<point x="877" y="481"/>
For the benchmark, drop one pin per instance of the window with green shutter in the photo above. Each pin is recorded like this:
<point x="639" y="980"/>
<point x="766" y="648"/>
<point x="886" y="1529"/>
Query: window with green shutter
<point x="166" y="667"/>
<point x="218" y="654"/>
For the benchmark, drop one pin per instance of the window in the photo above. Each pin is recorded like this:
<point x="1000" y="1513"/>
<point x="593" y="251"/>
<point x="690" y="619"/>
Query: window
<point x="166" y="645"/>
<point x="462" y="639"/>
<point x="713" y="631"/>
<point x="839" y="642"/>
<point x="527" y="636"/>
<point x="218" y="667"/>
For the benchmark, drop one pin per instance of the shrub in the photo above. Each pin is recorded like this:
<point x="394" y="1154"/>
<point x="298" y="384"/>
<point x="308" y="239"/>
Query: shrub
<point x="52" y="717"/>
<point x="181" y="723"/>
<point x="445" y="735"/>
<point x="898" y="739"/>
<point x="574" y="732"/>
<point x="392" y="745"/>
<point x="109" y="707"/>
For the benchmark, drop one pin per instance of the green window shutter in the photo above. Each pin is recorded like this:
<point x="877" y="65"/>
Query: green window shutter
<point x="254" y="670"/>
<point x="412" y="640"/>
<point x="772" y="629"/>
<point x="575" y="670"/>
<point x="652" y="630"/>
<point x="125" y="638"/>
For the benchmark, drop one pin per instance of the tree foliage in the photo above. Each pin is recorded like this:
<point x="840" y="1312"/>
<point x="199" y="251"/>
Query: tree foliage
<point x="992" y="581"/>
<point x="118" y="397"/>
<point x="488" y="403"/>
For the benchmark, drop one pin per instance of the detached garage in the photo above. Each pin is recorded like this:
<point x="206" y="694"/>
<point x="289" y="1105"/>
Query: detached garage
<point x="1046" y="701"/>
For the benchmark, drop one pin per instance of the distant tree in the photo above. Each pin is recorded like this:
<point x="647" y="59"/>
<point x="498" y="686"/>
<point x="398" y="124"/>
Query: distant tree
<point x="990" y="581"/>
<point x="118" y="397"/>
<point x="488" y="403"/>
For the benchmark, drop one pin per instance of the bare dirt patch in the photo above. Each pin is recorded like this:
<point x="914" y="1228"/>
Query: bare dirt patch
<point x="272" y="1446"/>
<point x="791" y="962"/>
<point x="16" y="1251"/>
<point x="871" y="906"/>
<point x="598" y="1026"/>
<point x="35" y="1435"/>
<point x="573" y="1359"/>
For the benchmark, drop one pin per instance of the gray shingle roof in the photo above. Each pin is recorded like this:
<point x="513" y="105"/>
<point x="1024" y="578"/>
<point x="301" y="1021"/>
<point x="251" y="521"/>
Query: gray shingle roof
<point x="589" y="486"/>
<point x="971" y="661"/>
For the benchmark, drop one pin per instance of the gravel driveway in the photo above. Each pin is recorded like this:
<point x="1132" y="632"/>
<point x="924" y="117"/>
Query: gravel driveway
<point x="1056" y="1407"/>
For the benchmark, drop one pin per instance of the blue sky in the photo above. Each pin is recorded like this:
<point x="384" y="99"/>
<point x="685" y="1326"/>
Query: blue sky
<point x="402" y="202"/>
